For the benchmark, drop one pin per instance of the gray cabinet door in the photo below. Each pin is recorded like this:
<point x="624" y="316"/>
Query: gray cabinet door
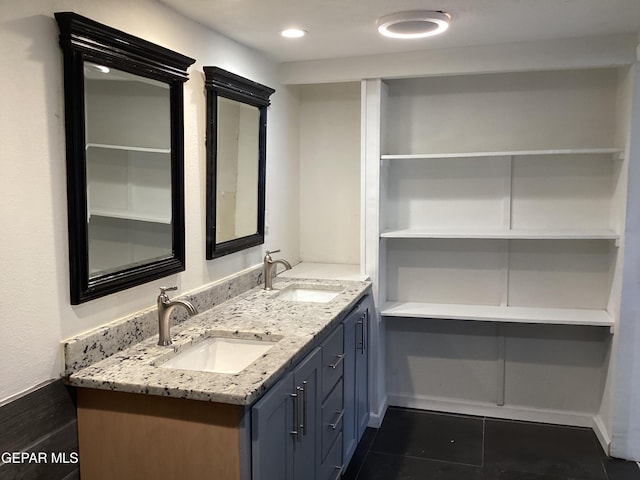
<point x="272" y="424"/>
<point x="356" y="375"/>
<point x="349" y="430"/>
<point x="367" y="312"/>
<point x="285" y="443"/>
<point x="306" y="457"/>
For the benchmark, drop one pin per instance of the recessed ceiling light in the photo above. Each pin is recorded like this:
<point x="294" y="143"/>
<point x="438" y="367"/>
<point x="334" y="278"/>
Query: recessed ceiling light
<point x="293" y="33"/>
<point x="413" y="24"/>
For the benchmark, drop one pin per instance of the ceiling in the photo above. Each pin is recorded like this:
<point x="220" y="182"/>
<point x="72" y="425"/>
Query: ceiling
<point x="344" y="28"/>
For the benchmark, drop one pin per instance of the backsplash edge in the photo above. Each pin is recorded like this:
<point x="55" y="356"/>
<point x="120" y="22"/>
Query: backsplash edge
<point x="95" y="345"/>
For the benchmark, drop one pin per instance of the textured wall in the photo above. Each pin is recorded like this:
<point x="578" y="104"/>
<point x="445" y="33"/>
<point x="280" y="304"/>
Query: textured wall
<point x="34" y="260"/>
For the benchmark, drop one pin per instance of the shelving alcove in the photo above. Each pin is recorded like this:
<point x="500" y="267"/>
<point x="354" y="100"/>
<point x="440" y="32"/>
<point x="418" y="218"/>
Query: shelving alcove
<point x="496" y="235"/>
<point x="504" y="232"/>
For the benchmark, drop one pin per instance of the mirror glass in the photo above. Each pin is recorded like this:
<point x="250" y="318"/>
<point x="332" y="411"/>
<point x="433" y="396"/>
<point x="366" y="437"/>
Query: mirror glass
<point x="236" y="161"/>
<point x="128" y="155"/>
<point x="237" y="170"/>
<point x="125" y="164"/>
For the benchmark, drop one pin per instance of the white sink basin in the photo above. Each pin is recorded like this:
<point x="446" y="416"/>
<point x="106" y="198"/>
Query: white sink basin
<point x="220" y="355"/>
<point x="297" y="293"/>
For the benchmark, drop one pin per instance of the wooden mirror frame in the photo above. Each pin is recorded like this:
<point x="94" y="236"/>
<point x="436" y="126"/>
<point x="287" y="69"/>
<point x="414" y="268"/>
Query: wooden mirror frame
<point x="221" y="83"/>
<point x="83" y="39"/>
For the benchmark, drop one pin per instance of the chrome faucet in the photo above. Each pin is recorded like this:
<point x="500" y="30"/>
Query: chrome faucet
<point x="165" y="306"/>
<point x="270" y="268"/>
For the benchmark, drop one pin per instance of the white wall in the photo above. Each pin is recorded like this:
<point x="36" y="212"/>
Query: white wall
<point x="34" y="261"/>
<point x="626" y="396"/>
<point x="330" y="173"/>
<point x="564" y="54"/>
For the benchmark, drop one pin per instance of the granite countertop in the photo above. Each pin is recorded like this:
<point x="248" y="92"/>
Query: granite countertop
<point x="255" y="314"/>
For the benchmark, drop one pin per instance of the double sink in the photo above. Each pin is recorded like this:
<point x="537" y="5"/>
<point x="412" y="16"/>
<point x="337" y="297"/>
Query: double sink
<point x="232" y="352"/>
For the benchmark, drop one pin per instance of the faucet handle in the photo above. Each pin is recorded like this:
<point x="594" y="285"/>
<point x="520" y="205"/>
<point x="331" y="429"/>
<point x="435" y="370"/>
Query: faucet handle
<point x="167" y="289"/>
<point x="269" y="252"/>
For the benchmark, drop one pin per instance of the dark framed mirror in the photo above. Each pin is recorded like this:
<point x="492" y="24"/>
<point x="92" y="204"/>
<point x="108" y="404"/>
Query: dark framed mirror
<point x="236" y="161"/>
<point x="125" y="160"/>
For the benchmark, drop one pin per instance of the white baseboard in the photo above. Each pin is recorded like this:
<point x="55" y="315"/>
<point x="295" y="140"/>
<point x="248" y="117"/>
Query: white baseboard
<point x="559" y="417"/>
<point x="600" y="429"/>
<point x="375" y="418"/>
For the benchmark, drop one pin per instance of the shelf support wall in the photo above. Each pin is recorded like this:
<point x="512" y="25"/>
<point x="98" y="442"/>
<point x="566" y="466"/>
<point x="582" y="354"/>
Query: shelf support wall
<point x="372" y="251"/>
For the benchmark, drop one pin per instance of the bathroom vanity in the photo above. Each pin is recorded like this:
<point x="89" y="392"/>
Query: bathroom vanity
<point x="296" y="412"/>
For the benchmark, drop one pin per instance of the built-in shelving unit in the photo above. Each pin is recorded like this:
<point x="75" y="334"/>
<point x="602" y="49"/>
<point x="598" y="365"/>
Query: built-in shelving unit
<point x="505" y="206"/>
<point x="495" y="234"/>
<point x="555" y="232"/>
<point x="499" y="201"/>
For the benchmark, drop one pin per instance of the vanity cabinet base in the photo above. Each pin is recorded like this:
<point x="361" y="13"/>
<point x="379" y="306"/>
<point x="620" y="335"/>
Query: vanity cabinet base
<point x="125" y="435"/>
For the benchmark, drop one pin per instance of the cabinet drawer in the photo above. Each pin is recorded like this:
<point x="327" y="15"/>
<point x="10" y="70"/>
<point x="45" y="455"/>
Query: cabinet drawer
<point x="331" y="468"/>
<point x="332" y="418"/>
<point x="332" y="360"/>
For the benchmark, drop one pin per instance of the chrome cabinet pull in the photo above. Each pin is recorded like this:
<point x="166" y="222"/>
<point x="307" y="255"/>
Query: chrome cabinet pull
<point x="365" y="322"/>
<point x="303" y="425"/>
<point x="363" y="339"/>
<point x="295" y="431"/>
<point x="300" y="426"/>
<point x="334" y="425"/>
<point x="338" y="362"/>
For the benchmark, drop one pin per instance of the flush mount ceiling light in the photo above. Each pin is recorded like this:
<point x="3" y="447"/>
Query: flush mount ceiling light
<point x="293" y="33"/>
<point x="413" y="24"/>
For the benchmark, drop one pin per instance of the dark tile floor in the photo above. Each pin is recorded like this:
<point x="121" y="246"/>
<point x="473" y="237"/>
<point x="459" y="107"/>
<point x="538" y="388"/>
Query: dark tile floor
<point x="419" y="445"/>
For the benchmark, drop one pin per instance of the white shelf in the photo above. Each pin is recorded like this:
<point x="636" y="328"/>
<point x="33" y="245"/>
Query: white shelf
<point x="129" y="148"/>
<point x="522" y="234"/>
<point x="489" y="313"/>
<point x="513" y="153"/>
<point x="130" y="215"/>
